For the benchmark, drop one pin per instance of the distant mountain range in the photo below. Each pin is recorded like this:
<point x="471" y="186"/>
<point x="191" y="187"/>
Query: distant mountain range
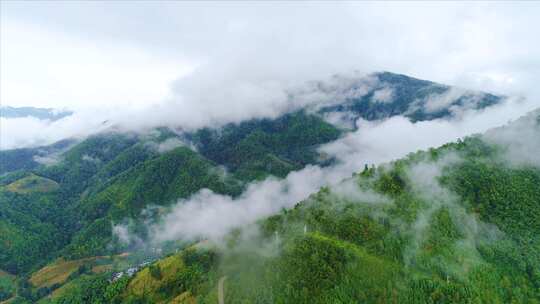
<point x="288" y="142"/>
<point x="39" y="113"/>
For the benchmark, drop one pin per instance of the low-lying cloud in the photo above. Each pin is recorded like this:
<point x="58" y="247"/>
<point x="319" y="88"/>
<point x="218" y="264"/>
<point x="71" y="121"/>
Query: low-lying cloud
<point x="424" y="180"/>
<point x="32" y="132"/>
<point x="520" y="140"/>
<point x="381" y="141"/>
<point x="210" y="215"/>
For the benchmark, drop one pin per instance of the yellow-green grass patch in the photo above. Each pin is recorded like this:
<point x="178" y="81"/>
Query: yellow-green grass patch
<point x="184" y="298"/>
<point x="145" y="283"/>
<point x="31" y="184"/>
<point x="102" y="268"/>
<point x="5" y="274"/>
<point x="8" y="301"/>
<point x="57" y="272"/>
<point x="60" y="290"/>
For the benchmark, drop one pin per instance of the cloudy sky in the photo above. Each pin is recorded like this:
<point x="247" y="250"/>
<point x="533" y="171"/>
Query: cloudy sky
<point x="98" y="54"/>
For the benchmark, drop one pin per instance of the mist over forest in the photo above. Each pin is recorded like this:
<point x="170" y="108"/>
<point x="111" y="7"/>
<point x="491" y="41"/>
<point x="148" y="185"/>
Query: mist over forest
<point x="269" y="152"/>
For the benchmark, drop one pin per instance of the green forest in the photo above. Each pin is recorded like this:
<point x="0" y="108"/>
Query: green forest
<point x="67" y="210"/>
<point x="454" y="224"/>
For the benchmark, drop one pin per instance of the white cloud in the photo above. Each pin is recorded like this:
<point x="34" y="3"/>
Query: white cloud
<point x="166" y="145"/>
<point x="520" y="140"/>
<point x="44" y="68"/>
<point x="349" y="190"/>
<point x="210" y="215"/>
<point x="424" y="181"/>
<point x="344" y="120"/>
<point x="383" y="95"/>
<point x="48" y="160"/>
<point x="194" y="64"/>
<point x="437" y="102"/>
<point x="31" y="131"/>
<point x="382" y="141"/>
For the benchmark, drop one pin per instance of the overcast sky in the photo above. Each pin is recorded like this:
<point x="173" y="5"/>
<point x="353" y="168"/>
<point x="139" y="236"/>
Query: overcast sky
<point x="122" y="53"/>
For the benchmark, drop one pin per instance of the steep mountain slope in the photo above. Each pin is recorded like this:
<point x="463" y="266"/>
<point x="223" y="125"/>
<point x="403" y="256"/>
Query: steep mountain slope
<point x="456" y="224"/>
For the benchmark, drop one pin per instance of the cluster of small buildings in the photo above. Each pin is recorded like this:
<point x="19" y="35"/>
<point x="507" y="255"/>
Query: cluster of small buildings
<point x="129" y="272"/>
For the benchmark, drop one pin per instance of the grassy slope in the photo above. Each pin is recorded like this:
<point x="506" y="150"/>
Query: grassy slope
<point x="33" y="183"/>
<point x="57" y="272"/>
<point x="146" y="285"/>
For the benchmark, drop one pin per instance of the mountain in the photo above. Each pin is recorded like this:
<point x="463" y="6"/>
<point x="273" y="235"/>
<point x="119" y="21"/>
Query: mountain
<point x="111" y="176"/>
<point x="39" y="113"/>
<point x="59" y="202"/>
<point x="382" y="95"/>
<point x="454" y="224"/>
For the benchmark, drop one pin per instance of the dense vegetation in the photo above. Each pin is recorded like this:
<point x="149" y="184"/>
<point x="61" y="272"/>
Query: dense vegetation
<point x="67" y="208"/>
<point x="256" y="148"/>
<point x="456" y="224"/>
<point x="473" y="240"/>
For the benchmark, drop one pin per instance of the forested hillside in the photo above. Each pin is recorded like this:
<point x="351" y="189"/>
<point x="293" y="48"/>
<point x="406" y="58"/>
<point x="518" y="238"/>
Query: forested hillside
<point x="456" y="224"/>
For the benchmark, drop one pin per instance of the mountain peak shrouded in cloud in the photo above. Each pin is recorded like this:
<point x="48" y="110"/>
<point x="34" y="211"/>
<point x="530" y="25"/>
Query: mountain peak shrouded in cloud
<point x="200" y="102"/>
<point x="384" y="94"/>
